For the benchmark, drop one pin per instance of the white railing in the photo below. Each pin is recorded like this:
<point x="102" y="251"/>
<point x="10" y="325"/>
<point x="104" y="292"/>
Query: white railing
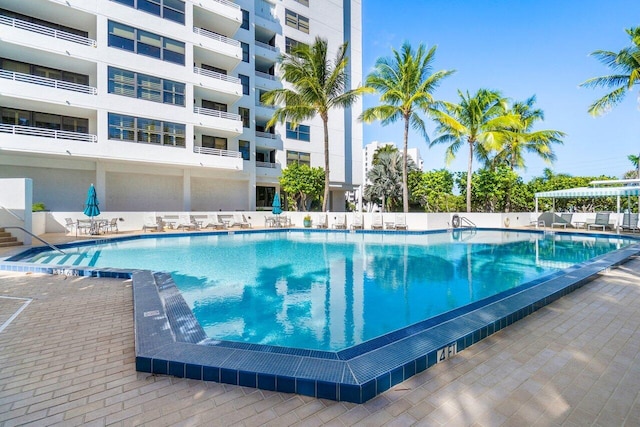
<point x="216" y="113"/>
<point x="266" y="165"/>
<point x="215" y="36"/>
<point x="216" y="152"/>
<point x="47" y="133"/>
<point x="228" y="3"/>
<point x="265" y="46"/>
<point x="265" y="135"/>
<point x="265" y="75"/>
<point x="47" y="31"/>
<point x="216" y="75"/>
<point x="43" y="81"/>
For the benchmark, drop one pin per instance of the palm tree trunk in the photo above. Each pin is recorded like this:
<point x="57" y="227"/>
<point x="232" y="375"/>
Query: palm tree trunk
<point x="469" y="167"/>
<point x="405" y="186"/>
<point x="325" y="201"/>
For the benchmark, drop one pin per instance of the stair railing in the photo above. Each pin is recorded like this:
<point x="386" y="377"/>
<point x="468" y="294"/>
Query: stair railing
<point x="55" y="248"/>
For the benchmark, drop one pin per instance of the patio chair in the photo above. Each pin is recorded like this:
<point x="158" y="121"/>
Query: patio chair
<point x="357" y="223"/>
<point x="340" y="223"/>
<point x="401" y="222"/>
<point x="377" y="223"/>
<point x="70" y="225"/>
<point x="83" y="226"/>
<point x="322" y="221"/>
<point x="240" y="221"/>
<point x="630" y="222"/>
<point x="565" y="219"/>
<point x="185" y="221"/>
<point x="214" y="221"/>
<point x="151" y="222"/>
<point x="602" y="221"/>
<point x="111" y="225"/>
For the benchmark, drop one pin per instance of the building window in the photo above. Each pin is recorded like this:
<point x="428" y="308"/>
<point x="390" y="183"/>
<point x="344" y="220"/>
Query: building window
<point x="214" y="142"/>
<point x="245" y="51"/>
<point x="142" y="86"/>
<point x="246" y="116"/>
<point x="38" y="70"/>
<point x="245" y="149"/>
<point x="303" y="2"/>
<point x="264" y="196"/>
<point x="301" y="132"/>
<point x="13" y="116"/>
<point x="290" y="44"/>
<point x="146" y="131"/>
<point x="299" y="158"/>
<point x="214" y="69"/>
<point x="145" y="43"/>
<point x="296" y="21"/>
<point x="52" y="25"/>
<point x="212" y="105"/>
<point x="245" y="19"/>
<point x="244" y="80"/>
<point x="173" y="10"/>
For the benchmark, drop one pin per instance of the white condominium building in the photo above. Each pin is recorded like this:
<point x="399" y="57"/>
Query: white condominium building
<point x="157" y="102"/>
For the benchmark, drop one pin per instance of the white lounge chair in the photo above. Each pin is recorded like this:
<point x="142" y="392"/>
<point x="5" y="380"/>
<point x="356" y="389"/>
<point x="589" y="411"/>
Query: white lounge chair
<point x="185" y="221"/>
<point x="630" y="222"/>
<point x="151" y="222"/>
<point x="377" y="223"/>
<point x="322" y="221"/>
<point x="357" y="223"/>
<point x="340" y="223"/>
<point x="240" y="221"/>
<point x="214" y="221"/>
<point x="401" y="222"/>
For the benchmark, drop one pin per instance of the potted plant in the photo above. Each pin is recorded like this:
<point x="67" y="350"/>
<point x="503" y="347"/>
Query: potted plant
<point x="307" y="221"/>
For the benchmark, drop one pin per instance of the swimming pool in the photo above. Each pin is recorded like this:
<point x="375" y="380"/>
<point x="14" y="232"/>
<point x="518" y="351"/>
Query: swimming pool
<point x="167" y="334"/>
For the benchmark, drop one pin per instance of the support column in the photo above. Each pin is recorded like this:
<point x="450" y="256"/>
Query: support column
<point x="186" y="190"/>
<point x="101" y="185"/>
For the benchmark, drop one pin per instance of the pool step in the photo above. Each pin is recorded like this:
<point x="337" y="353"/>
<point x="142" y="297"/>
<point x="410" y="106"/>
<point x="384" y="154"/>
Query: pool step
<point x="62" y="259"/>
<point x="6" y="239"/>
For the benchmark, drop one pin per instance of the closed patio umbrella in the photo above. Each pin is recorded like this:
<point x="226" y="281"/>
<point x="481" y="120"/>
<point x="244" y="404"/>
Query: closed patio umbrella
<point x="277" y="208"/>
<point x="91" y="208"/>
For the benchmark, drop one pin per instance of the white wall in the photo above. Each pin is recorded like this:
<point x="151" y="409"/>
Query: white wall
<point x="15" y="206"/>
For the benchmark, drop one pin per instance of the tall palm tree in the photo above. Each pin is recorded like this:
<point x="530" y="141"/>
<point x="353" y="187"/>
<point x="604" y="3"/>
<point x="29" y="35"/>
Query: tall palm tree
<point x="405" y="83"/>
<point x="522" y="138"/>
<point x="389" y="148"/>
<point x="386" y="178"/>
<point x="626" y="66"/>
<point x="318" y="84"/>
<point x="480" y="120"/>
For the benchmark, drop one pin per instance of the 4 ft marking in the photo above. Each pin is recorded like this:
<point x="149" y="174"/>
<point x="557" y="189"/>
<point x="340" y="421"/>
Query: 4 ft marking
<point x="447" y="352"/>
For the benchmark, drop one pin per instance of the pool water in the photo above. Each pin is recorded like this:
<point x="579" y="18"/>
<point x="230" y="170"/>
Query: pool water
<point x="330" y="291"/>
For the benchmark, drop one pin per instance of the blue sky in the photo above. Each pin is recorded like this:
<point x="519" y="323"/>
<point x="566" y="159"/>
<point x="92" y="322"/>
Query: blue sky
<point x="521" y="48"/>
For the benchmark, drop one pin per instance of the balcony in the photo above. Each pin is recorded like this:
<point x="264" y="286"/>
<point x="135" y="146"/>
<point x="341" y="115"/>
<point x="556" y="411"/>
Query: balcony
<point x="228" y="88"/>
<point x="46" y="31"/>
<point x="227" y="124"/>
<point x="217" y="49"/>
<point x="266" y="135"/>
<point x="266" y="165"/>
<point x="43" y="81"/>
<point x="217" y="152"/>
<point x="227" y="15"/>
<point x="47" y="133"/>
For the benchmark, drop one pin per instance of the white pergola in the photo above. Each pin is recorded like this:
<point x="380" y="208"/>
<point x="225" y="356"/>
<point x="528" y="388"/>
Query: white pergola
<point x="631" y="189"/>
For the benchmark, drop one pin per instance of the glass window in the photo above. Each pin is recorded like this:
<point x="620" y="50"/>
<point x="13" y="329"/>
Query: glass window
<point x="173" y="10"/>
<point x="15" y="66"/>
<point x="303" y="2"/>
<point x="174" y="134"/>
<point x="212" y="105"/>
<point x="151" y="6"/>
<point x="173" y="51"/>
<point x="75" y="124"/>
<point x="130" y="3"/>
<point x="149" y="131"/>
<point x="298" y="157"/>
<point x="149" y="88"/>
<point x="245" y="149"/>
<point x="244" y="80"/>
<point x="47" y="121"/>
<point x="121" y="36"/>
<point x="245" y="52"/>
<point x="11" y="116"/>
<point x="245" y="20"/>
<point x="173" y="93"/>
<point x="214" y="69"/>
<point x="290" y="44"/>
<point x="245" y="115"/>
<point x="149" y="44"/>
<point x="296" y="21"/>
<point x="301" y="132"/>
<point x="214" y="142"/>
<point x="264" y="196"/>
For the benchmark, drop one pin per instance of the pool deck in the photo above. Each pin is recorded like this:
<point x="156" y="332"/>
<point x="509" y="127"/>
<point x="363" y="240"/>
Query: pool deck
<point x="69" y="360"/>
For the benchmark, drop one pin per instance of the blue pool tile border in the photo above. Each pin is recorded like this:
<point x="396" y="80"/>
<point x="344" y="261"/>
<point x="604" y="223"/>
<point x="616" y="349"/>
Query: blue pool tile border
<point x="169" y="341"/>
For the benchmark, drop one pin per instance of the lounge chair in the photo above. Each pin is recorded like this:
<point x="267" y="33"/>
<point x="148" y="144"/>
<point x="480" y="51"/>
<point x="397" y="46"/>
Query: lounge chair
<point x="340" y="223"/>
<point x="240" y="221"/>
<point x="377" y="223"/>
<point x="214" y="222"/>
<point x="602" y="221"/>
<point x="185" y="221"/>
<point x="357" y="223"/>
<point x="630" y="222"/>
<point x="401" y="222"/>
<point x="322" y="221"/>
<point x="152" y="222"/>
<point x="565" y="219"/>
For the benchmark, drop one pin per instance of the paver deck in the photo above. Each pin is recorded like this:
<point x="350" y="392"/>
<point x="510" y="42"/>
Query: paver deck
<point x="68" y="359"/>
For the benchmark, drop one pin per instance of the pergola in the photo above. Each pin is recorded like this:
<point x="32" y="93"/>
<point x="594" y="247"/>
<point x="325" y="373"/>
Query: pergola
<point x="631" y="189"/>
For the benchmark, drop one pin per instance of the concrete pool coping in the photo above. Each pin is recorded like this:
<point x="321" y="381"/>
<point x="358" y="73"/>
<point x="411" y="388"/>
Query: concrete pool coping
<point x="163" y="338"/>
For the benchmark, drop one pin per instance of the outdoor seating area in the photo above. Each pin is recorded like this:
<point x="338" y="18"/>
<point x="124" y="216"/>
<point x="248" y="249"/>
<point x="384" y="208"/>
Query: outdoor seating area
<point x="93" y="226"/>
<point x="602" y="222"/>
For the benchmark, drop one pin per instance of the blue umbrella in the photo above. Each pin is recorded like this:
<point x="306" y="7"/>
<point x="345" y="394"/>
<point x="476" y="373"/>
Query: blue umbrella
<point x="277" y="210"/>
<point x="91" y="208"/>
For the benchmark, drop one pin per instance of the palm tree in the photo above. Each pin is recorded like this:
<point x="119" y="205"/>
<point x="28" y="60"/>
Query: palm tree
<point x="389" y="148"/>
<point x="480" y="120"/>
<point x="386" y="178"/>
<point x="522" y="138"/>
<point x="317" y="85"/>
<point x="626" y="65"/>
<point x="405" y="84"/>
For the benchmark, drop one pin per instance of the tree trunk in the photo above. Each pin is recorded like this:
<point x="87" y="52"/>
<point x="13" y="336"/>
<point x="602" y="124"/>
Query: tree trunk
<point x="469" y="167"/>
<point x="405" y="186"/>
<point x="325" y="201"/>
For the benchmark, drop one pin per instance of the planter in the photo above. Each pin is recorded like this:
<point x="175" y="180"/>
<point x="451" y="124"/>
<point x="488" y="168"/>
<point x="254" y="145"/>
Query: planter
<point x="306" y="223"/>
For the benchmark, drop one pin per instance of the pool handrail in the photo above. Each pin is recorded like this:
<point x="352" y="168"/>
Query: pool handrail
<point x="33" y="235"/>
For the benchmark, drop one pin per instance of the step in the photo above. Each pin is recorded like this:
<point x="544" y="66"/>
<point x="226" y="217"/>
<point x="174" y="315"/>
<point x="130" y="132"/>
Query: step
<point x="8" y="244"/>
<point x="4" y="234"/>
<point x="5" y="239"/>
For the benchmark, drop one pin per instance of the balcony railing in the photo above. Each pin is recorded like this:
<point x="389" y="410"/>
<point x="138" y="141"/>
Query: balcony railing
<point x="47" y="133"/>
<point x="43" y="81"/>
<point x="265" y="75"/>
<point x="228" y="3"/>
<point x="47" y="31"/>
<point x="216" y="152"/>
<point x="266" y="165"/>
<point x="215" y="36"/>
<point x="216" y="113"/>
<point x="266" y="46"/>
<point x="265" y="135"/>
<point x="216" y="75"/>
